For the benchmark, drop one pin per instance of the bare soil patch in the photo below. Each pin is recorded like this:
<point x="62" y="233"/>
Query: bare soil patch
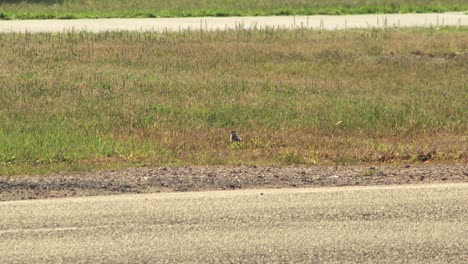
<point x="202" y="178"/>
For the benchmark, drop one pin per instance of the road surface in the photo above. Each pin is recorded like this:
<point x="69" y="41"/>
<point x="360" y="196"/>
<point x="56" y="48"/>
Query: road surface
<point x="410" y="223"/>
<point x="222" y="23"/>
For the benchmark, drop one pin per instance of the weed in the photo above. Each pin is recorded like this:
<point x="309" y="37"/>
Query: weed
<point x="186" y="8"/>
<point x="173" y="98"/>
<point x="290" y="157"/>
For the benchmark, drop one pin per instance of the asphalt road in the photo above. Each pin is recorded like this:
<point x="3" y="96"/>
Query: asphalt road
<point x="409" y="223"/>
<point x="222" y="23"/>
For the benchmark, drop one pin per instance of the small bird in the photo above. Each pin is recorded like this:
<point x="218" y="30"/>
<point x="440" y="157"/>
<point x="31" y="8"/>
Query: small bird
<point x="235" y="137"/>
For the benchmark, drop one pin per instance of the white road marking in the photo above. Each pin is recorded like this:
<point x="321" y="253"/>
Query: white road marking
<point x="49" y="229"/>
<point x="52" y="229"/>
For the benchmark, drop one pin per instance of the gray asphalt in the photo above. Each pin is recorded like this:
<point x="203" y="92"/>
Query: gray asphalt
<point x="414" y="224"/>
<point x="223" y="23"/>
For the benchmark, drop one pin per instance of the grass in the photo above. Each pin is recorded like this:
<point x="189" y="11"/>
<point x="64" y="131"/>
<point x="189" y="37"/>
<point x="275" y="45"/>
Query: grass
<point x="15" y="9"/>
<point x="81" y="101"/>
<point x="417" y="224"/>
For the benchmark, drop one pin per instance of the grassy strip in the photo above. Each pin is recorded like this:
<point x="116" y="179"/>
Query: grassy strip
<point x="10" y="9"/>
<point x="82" y="101"/>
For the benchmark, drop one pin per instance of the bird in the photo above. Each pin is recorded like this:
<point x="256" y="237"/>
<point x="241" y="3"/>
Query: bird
<point x="235" y="137"/>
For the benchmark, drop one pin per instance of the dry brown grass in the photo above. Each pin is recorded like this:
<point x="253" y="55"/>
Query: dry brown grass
<point x="75" y="99"/>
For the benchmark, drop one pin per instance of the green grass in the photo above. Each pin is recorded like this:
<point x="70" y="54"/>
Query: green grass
<point x="81" y="101"/>
<point x="11" y="9"/>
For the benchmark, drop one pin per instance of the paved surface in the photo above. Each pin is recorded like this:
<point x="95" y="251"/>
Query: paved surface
<point x="222" y="23"/>
<point x="410" y="223"/>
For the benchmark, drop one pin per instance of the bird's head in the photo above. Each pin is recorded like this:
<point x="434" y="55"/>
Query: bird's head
<point x="233" y="132"/>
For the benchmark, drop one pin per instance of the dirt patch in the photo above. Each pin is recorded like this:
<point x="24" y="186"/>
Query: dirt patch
<point x="199" y="178"/>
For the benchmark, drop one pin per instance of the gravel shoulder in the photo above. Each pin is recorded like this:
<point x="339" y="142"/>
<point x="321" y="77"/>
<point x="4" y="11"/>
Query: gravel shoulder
<point x="204" y="178"/>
